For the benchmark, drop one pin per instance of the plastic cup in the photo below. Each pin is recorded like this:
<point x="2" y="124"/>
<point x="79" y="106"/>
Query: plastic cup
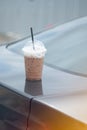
<point x="34" y="59"/>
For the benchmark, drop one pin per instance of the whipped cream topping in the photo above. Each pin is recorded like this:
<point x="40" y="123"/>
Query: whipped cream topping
<point x="38" y="52"/>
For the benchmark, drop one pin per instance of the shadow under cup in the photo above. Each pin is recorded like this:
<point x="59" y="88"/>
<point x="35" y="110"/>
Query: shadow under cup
<point x="33" y="68"/>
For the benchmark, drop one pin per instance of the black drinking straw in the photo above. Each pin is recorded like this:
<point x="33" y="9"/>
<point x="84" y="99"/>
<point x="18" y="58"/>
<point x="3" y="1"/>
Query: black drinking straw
<point x="32" y="36"/>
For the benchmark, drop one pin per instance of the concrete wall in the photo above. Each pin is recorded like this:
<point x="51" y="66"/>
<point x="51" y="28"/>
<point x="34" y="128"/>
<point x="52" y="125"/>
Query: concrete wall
<point x="18" y="15"/>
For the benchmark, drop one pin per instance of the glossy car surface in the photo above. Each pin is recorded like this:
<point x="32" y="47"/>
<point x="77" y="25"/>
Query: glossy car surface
<point x="58" y="101"/>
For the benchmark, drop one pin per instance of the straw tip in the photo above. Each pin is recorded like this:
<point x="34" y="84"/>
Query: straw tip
<point x="32" y="36"/>
<point x="30" y="28"/>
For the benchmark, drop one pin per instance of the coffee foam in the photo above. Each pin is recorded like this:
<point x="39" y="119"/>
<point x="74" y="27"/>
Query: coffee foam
<point x="38" y="52"/>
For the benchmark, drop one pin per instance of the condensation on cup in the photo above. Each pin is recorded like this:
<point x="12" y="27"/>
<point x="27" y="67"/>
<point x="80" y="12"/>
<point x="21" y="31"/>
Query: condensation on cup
<point x="34" y="59"/>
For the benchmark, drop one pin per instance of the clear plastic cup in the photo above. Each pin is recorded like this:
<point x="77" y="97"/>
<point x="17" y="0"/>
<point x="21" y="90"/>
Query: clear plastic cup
<point x="34" y="59"/>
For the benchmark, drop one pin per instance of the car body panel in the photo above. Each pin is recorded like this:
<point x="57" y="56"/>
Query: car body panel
<point x="49" y="101"/>
<point x="45" y="116"/>
<point x="14" y="110"/>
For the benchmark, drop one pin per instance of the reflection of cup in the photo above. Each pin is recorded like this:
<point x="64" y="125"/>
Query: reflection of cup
<point x="33" y="87"/>
<point x="34" y="60"/>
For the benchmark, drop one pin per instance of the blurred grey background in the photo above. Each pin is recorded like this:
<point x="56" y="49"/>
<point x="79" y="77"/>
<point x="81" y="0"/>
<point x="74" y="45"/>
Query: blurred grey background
<point x="17" y="16"/>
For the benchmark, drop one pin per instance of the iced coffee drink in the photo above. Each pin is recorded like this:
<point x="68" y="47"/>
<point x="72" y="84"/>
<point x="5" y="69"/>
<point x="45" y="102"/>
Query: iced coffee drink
<point x="34" y="58"/>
